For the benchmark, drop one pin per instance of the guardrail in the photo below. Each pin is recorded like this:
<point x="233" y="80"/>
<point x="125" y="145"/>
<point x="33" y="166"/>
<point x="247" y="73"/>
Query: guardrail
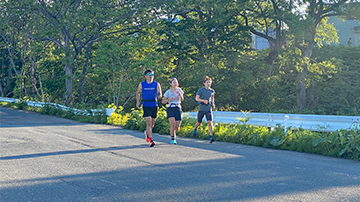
<point x="62" y="107"/>
<point x="326" y="123"/>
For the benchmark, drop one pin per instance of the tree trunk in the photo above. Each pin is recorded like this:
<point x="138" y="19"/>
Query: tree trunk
<point x="68" y="68"/>
<point x="83" y="74"/>
<point x="301" y="101"/>
<point x="32" y="76"/>
<point x="2" y="90"/>
<point x="41" y="89"/>
<point x="301" y="89"/>
<point x="82" y="84"/>
<point x="312" y="98"/>
<point x="68" y="84"/>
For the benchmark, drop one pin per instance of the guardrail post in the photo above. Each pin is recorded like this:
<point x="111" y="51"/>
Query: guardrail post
<point x="286" y="118"/>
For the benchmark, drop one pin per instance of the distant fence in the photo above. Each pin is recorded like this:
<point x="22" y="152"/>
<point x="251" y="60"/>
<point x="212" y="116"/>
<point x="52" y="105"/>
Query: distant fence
<point x="324" y="123"/>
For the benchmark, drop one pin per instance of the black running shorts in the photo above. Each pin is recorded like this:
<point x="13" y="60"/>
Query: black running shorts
<point x="174" y="112"/>
<point x="201" y="114"/>
<point x="150" y="111"/>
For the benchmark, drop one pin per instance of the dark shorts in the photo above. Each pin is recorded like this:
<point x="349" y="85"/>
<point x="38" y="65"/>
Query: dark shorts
<point x="174" y="112"/>
<point x="201" y="114"/>
<point x="150" y="111"/>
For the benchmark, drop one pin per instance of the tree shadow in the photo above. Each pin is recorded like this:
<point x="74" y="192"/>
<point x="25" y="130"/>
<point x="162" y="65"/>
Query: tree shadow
<point x="232" y="179"/>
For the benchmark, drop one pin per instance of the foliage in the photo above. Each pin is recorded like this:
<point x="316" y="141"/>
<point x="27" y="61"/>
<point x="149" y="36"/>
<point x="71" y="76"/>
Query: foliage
<point x="120" y="63"/>
<point x="189" y="40"/>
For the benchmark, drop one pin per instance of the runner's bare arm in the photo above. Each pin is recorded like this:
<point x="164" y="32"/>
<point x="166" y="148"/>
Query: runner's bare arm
<point x="213" y="101"/>
<point x="159" y="90"/>
<point x="165" y="100"/>
<point x="181" y="96"/>
<point x="138" y="92"/>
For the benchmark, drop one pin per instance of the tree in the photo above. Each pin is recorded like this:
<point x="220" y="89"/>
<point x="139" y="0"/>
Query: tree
<point x="121" y="61"/>
<point x="311" y="29"/>
<point x="205" y="38"/>
<point x="74" y="26"/>
<point x="266" y="18"/>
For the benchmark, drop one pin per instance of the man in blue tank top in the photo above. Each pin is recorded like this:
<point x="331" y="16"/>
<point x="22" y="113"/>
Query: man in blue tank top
<point x="150" y="90"/>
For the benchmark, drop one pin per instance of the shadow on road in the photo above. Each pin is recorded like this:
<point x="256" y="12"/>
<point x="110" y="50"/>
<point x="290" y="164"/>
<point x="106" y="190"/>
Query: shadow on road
<point x="186" y="181"/>
<point x="17" y="118"/>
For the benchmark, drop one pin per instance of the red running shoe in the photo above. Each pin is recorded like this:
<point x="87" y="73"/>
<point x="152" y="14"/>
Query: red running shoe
<point x="152" y="143"/>
<point x="146" y="137"/>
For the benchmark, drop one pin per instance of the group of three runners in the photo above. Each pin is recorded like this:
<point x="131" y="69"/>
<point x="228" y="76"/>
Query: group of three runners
<point x="150" y="91"/>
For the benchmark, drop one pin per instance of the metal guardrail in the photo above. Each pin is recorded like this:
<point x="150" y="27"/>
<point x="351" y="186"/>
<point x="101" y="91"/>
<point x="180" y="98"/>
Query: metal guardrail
<point x="324" y="123"/>
<point x="62" y="107"/>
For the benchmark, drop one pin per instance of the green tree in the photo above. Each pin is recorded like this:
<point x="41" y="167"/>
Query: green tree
<point x="20" y="51"/>
<point x="121" y="61"/>
<point x="308" y="30"/>
<point x="267" y="20"/>
<point x="205" y="38"/>
<point x="338" y="91"/>
<point x="74" y="26"/>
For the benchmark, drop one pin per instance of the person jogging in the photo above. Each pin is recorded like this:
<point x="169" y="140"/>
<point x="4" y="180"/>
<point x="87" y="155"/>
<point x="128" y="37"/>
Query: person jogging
<point x="150" y="90"/>
<point x="205" y="96"/>
<point x="173" y="97"/>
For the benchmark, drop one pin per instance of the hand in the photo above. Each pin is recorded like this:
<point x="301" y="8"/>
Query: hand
<point x="206" y="102"/>
<point x="213" y="105"/>
<point x="137" y="105"/>
<point x="171" y="99"/>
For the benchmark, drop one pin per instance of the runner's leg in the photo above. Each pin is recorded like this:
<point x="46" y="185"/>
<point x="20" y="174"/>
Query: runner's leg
<point x="172" y="126"/>
<point x="149" y="126"/>
<point x="177" y="126"/>
<point x="211" y="127"/>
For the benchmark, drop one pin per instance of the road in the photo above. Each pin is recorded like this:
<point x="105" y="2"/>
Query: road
<point x="46" y="158"/>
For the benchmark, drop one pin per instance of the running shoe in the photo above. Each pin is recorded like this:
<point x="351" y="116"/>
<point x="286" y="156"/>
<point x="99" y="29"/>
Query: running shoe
<point x="173" y="141"/>
<point x="152" y="143"/>
<point x="146" y="137"/>
<point x="194" y="133"/>
<point x="212" y="139"/>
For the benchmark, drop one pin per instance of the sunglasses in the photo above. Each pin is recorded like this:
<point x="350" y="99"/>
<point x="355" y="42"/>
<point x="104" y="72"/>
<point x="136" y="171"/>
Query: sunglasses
<point x="206" y="79"/>
<point x="150" y="74"/>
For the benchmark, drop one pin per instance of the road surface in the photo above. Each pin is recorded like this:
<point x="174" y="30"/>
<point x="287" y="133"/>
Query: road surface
<point x="46" y="158"/>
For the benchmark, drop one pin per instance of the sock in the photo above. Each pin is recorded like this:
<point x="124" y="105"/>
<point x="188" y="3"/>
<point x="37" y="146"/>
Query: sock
<point x="172" y="138"/>
<point x="150" y="138"/>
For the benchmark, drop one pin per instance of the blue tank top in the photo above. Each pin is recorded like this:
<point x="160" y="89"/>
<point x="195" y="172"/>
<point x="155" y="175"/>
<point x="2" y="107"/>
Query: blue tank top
<point x="149" y="94"/>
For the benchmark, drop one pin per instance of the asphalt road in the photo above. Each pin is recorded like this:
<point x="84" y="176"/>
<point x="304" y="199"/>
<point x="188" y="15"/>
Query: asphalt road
<point x="45" y="158"/>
